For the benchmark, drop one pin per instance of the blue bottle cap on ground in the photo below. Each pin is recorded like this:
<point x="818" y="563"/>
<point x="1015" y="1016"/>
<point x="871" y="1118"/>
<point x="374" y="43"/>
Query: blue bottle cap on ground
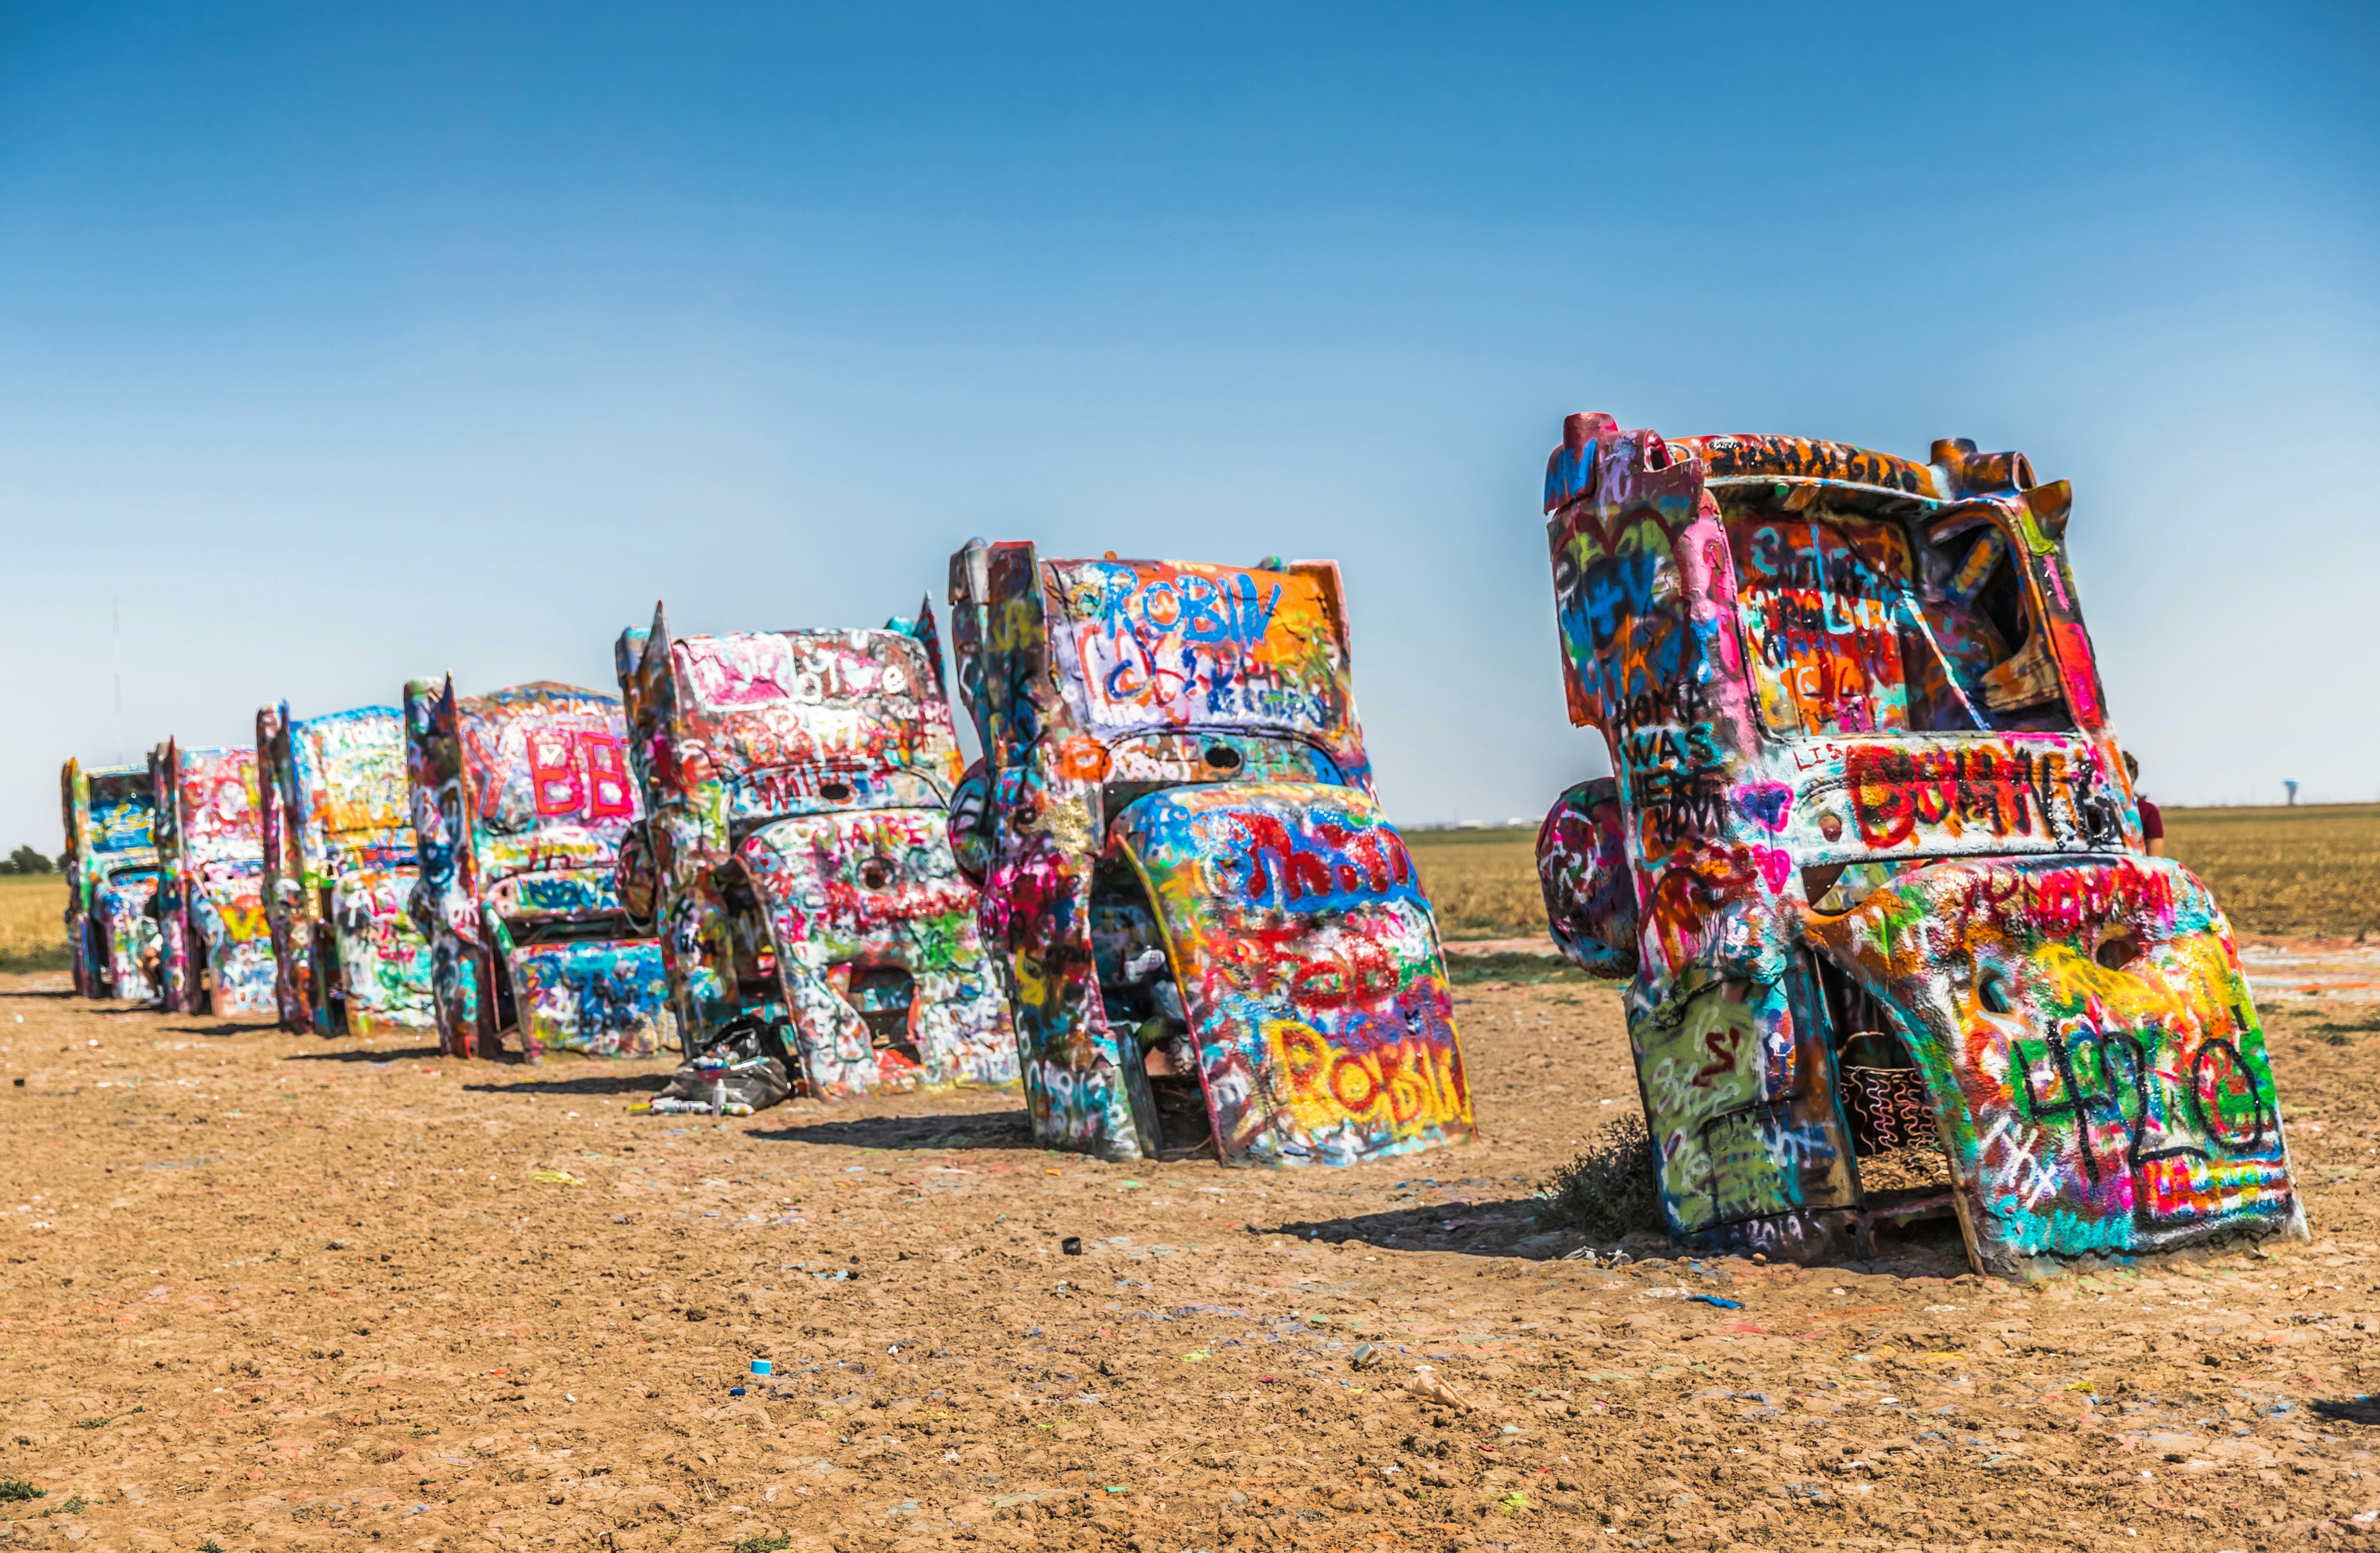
<point x="735" y="1390"/>
<point x="759" y="1367"/>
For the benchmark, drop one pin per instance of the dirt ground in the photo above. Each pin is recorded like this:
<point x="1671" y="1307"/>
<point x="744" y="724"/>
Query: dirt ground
<point x="266" y="1292"/>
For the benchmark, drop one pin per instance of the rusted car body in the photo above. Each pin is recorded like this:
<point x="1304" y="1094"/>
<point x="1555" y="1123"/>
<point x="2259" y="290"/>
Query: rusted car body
<point x="1872" y="864"/>
<point x="214" y="946"/>
<point x="111" y="870"/>
<point x="519" y="800"/>
<point x="1214" y="930"/>
<point x="796" y="860"/>
<point x="338" y="871"/>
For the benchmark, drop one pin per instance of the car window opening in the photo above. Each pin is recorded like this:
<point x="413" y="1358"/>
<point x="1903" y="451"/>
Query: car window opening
<point x="328" y="989"/>
<point x="201" y="970"/>
<point x="1893" y="1132"/>
<point x="595" y="926"/>
<point x="1143" y="1002"/>
<point x="506" y="1015"/>
<point x="1117" y="797"/>
<point x="1856" y="624"/>
<point x="884" y="997"/>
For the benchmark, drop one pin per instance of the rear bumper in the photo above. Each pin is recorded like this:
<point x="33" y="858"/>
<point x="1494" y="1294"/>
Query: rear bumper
<point x="601" y="997"/>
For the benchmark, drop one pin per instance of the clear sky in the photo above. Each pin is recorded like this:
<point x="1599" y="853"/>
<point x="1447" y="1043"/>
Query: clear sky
<point x="342" y="344"/>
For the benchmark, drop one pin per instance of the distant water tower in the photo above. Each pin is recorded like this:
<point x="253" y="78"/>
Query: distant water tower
<point x="2292" y="783"/>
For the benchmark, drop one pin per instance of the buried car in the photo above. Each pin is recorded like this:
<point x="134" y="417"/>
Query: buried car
<point x="520" y="799"/>
<point x="1873" y="867"/>
<point x="1216" y="937"/>
<point x="111" y="871"/>
<point x="338" y="871"/>
<point x="796" y="858"/>
<point x="214" y="947"/>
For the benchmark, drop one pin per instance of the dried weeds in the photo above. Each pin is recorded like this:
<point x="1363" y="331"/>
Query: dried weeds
<point x="1609" y="1189"/>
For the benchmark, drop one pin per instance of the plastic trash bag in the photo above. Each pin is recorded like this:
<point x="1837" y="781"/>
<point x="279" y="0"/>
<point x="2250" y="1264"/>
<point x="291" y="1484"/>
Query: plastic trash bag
<point x="742" y="1072"/>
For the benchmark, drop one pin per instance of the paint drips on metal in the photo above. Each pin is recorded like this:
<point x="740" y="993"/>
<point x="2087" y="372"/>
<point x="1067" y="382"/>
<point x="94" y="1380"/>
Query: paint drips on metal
<point x="215" y="947"/>
<point x="111" y="871"/>
<point x="339" y="868"/>
<point x="1216" y="937"/>
<point x="520" y="799"/>
<point x="1872" y="864"/>
<point x="798" y="862"/>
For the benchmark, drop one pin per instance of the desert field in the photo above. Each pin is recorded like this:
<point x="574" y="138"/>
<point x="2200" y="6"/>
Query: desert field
<point x="268" y="1292"/>
<point x="32" y="922"/>
<point x="2313" y="869"/>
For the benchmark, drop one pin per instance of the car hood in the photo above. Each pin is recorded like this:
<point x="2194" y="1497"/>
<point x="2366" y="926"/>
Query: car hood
<point x="2088" y="1044"/>
<point x="1309" y="969"/>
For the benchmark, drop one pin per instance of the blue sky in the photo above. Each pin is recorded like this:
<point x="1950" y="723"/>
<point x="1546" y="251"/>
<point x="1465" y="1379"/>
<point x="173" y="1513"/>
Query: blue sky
<point x="346" y="344"/>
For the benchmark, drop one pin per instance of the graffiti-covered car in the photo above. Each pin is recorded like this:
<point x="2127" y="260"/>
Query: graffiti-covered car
<point x="111" y="871"/>
<point x="1216" y="935"/>
<point x="214" y="946"/>
<point x="798" y="854"/>
<point x="339" y="871"/>
<point x="1872" y="864"/>
<point x="519" y="800"/>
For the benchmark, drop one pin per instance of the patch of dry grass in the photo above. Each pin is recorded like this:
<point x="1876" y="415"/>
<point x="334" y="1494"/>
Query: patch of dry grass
<point x="32" y="922"/>
<point x="1611" y="1189"/>
<point x="2309" y="870"/>
<point x="1483" y="883"/>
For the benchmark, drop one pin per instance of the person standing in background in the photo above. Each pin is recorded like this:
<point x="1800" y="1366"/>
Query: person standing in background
<point x="2152" y="822"/>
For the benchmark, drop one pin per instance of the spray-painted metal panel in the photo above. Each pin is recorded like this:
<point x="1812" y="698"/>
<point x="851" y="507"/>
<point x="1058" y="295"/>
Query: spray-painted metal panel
<point x="520" y="799"/>
<point x="338" y="871"/>
<point x="1171" y="751"/>
<point x="111" y="871"/>
<point x="216" y="946"/>
<point x="1872" y="864"/>
<point x="2087" y="1041"/>
<point x="799" y="863"/>
<point x="1309" y="968"/>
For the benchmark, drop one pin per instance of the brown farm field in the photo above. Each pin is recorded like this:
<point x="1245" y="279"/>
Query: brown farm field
<point x="1483" y="883"/>
<point x="2313" y="870"/>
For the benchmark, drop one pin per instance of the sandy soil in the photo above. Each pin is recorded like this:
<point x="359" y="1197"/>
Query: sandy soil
<point x="265" y="1292"/>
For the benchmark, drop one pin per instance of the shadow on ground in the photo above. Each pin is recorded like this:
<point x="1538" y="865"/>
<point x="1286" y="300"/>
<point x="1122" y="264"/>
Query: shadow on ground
<point x="365" y="1054"/>
<point x="1002" y="1129"/>
<point x="1489" y="1227"/>
<point x="593" y="1083"/>
<point x="1508" y="1226"/>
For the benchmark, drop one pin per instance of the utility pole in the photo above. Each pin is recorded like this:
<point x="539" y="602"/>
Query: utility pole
<point x="115" y="612"/>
